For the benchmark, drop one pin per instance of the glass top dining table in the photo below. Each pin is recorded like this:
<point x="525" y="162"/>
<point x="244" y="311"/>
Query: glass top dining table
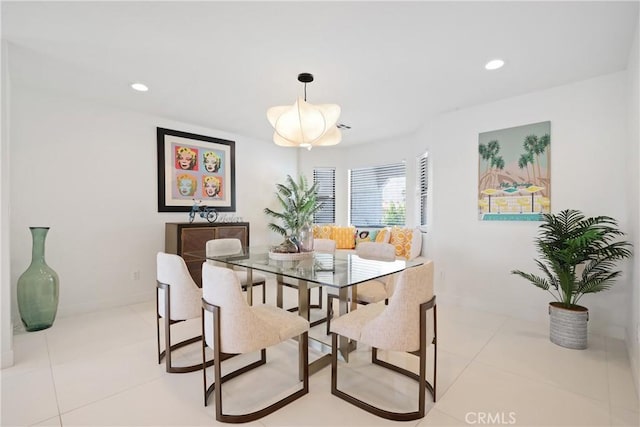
<point x="337" y="270"/>
<point x="342" y="270"/>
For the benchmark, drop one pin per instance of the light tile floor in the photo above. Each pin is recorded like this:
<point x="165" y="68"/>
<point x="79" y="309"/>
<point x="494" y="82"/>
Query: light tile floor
<point x="100" y="369"/>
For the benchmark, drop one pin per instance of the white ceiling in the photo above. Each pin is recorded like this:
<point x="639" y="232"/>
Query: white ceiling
<point x="389" y="65"/>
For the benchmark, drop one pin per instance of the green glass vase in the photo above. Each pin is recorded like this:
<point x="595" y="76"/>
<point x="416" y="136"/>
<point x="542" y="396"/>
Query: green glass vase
<point x="38" y="287"/>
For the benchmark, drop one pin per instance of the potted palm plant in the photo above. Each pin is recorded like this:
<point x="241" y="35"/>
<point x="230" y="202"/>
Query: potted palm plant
<point x="578" y="257"/>
<point x="299" y="202"/>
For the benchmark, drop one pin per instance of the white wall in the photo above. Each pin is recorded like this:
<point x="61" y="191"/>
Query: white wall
<point x="6" y="357"/>
<point x="473" y="259"/>
<point x="588" y="147"/>
<point x="89" y="172"/>
<point x="633" y="162"/>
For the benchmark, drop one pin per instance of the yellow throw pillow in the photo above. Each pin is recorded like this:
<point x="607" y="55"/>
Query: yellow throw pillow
<point x="322" y="231"/>
<point x="383" y="236"/>
<point x="408" y="242"/>
<point x="413" y="246"/>
<point x="399" y="238"/>
<point x="345" y="237"/>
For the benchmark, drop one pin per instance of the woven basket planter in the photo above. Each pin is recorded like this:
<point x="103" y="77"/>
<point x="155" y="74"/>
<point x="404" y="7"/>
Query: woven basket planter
<point x="568" y="326"/>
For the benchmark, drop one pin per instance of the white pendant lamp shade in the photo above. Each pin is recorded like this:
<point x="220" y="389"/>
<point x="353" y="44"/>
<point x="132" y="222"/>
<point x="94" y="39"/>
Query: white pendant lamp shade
<point x="303" y="124"/>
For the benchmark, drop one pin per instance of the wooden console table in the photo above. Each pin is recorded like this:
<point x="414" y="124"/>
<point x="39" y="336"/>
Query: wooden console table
<point x="185" y="237"/>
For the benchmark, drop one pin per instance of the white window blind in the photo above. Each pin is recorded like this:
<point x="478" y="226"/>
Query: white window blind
<point x="326" y="180"/>
<point x="378" y="195"/>
<point x="423" y="186"/>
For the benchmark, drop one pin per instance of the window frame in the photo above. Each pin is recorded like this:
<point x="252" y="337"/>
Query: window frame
<point x="422" y="190"/>
<point x="367" y="182"/>
<point x="329" y="197"/>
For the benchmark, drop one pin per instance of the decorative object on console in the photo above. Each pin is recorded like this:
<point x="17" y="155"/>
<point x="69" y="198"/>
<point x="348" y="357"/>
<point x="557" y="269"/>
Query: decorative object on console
<point x="192" y="167"/>
<point x="514" y="178"/>
<point x="578" y="255"/>
<point x="299" y="202"/>
<point x="303" y="124"/>
<point x="38" y="287"/>
<point x="206" y="212"/>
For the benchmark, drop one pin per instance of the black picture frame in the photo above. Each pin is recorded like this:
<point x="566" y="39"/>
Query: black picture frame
<point x="191" y="168"/>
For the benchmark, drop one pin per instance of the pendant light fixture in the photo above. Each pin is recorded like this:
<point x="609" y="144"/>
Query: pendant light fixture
<point x="303" y="124"/>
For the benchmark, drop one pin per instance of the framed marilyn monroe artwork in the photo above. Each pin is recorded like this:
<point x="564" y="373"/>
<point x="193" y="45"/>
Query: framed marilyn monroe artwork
<point x="195" y="168"/>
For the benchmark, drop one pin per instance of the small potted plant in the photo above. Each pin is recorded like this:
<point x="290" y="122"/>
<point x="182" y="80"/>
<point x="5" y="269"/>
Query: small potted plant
<point x="299" y="202"/>
<point x="578" y="257"/>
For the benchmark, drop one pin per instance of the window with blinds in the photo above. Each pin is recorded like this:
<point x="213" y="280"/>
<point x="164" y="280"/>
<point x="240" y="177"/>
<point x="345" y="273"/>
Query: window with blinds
<point x="423" y="186"/>
<point x="326" y="180"/>
<point x="378" y="195"/>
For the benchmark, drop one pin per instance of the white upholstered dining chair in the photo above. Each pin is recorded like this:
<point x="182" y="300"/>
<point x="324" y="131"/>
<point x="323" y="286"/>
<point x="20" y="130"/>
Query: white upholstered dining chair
<point x="230" y="326"/>
<point x="178" y="299"/>
<point x="229" y="246"/>
<point x="401" y="326"/>
<point x="324" y="245"/>
<point x="371" y="291"/>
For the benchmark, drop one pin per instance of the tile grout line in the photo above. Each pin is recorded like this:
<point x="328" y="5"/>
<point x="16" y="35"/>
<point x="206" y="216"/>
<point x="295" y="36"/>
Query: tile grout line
<point x="136" y="312"/>
<point x="435" y="406"/>
<point x="53" y="380"/>
<point x="551" y="384"/>
<point x="530" y="378"/>
<point x="606" y="364"/>
<point x="60" y="413"/>
<point x="612" y="404"/>
<point x="466" y="367"/>
<point x="504" y="322"/>
<point x="107" y="397"/>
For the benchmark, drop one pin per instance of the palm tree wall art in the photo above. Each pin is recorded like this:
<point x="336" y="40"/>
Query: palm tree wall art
<point x="513" y="172"/>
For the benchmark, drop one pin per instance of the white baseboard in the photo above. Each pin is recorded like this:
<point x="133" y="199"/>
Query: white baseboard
<point x="88" y="307"/>
<point x="533" y="315"/>
<point x="633" y="348"/>
<point x="119" y="301"/>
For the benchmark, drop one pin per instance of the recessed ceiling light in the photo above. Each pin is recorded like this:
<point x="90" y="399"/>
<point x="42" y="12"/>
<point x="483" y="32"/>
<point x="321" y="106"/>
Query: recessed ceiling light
<point x="494" y="64"/>
<point x="139" y="87"/>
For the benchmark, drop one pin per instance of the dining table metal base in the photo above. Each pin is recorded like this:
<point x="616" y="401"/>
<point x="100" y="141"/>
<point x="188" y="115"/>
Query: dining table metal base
<point x="345" y="345"/>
